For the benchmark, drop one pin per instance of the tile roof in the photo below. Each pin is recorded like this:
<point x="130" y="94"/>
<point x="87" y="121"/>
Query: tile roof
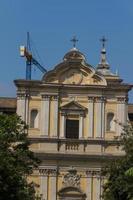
<point x="7" y="102"/>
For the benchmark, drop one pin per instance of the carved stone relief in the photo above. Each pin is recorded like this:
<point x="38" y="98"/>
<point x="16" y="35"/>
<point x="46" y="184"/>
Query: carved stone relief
<point x="71" y="179"/>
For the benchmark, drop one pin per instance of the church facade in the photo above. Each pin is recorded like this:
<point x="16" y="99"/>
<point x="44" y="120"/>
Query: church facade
<point x="74" y="113"/>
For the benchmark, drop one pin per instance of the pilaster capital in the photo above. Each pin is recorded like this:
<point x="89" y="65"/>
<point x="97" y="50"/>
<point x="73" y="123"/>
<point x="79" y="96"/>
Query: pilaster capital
<point x="63" y="114"/>
<point x="90" y="99"/>
<point x="100" y="99"/>
<point x="55" y="97"/>
<point x="22" y="95"/>
<point x="122" y="99"/>
<point x="48" y="171"/>
<point x="45" y="97"/>
<point x="82" y="114"/>
<point x="93" y="173"/>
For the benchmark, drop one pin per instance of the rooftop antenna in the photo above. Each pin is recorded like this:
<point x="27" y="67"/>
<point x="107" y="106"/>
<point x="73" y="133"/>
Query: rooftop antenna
<point x="30" y="60"/>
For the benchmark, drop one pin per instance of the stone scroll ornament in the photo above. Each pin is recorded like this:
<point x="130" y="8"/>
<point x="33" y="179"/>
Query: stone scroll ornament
<point x="71" y="178"/>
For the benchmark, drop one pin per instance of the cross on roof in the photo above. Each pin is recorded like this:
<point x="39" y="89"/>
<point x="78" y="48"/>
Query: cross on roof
<point x="74" y="40"/>
<point x="103" y="40"/>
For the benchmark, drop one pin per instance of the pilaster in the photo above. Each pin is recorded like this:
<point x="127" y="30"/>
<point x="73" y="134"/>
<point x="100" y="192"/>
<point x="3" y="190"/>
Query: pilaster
<point x="55" y="117"/>
<point x="44" y="183"/>
<point x="93" y="186"/>
<point x="100" y="117"/>
<point x="121" y="113"/>
<point x="23" y="106"/>
<point x="88" y="186"/>
<point x="44" y="187"/>
<point x="91" y="116"/>
<point x="63" y="125"/>
<point x="45" y="114"/>
<point x="81" y="126"/>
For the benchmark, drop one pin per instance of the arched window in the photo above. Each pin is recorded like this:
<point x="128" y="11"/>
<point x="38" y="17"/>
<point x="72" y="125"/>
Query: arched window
<point x="110" y="122"/>
<point x="34" y="119"/>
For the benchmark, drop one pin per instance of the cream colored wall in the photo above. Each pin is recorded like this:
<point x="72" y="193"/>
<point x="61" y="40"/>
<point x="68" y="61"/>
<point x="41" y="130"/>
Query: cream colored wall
<point x="35" y="103"/>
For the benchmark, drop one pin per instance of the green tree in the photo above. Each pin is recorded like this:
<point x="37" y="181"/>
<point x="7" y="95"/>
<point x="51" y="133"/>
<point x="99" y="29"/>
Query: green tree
<point x="119" y="173"/>
<point x="16" y="160"/>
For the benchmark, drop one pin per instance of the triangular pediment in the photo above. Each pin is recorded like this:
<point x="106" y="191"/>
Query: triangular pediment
<point x="73" y="106"/>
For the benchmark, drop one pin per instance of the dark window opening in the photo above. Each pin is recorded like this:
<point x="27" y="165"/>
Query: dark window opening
<point x="72" y="129"/>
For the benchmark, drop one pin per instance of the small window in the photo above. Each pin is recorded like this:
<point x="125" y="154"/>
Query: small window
<point x="110" y="122"/>
<point x="72" y="129"/>
<point x="34" y="119"/>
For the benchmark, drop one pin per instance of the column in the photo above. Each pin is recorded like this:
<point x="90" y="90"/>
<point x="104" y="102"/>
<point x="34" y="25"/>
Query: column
<point x="45" y="114"/>
<point x="91" y="116"/>
<point x="100" y="117"/>
<point x="44" y="183"/>
<point x="89" y="185"/>
<point x="81" y="125"/>
<point x="55" y="117"/>
<point x="121" y="114"/>
<point x="53" y="189"/>
<point x="63" y="125"/>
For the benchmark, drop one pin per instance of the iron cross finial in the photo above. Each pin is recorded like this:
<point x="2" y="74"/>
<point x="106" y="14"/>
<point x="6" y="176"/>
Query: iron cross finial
<point x="103" y="40"/>
<point x="74" y="40"/>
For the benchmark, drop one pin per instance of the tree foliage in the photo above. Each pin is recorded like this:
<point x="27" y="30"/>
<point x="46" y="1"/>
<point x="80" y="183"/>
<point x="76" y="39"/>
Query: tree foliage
<point x="119" y="173"/>
<point x="16" y="160"/>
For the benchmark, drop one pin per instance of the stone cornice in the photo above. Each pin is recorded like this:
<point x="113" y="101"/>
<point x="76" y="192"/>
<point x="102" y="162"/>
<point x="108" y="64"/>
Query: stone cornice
<point x="99" y="141"/>
<point x="77" y="157"/>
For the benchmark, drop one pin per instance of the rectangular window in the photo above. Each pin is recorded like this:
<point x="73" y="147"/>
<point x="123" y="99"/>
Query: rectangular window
<point x="72" y="129"/>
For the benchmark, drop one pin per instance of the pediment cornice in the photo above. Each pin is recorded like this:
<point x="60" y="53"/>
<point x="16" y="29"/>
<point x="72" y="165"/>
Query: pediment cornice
<point x="73" y="105"/>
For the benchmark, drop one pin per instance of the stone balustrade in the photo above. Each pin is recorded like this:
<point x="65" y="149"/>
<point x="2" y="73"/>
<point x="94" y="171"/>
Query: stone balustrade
<point x="75" y="146"/>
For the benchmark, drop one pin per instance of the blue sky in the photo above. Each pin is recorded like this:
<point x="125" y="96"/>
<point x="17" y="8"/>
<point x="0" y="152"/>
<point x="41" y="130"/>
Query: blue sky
<point x="52" y="23"/>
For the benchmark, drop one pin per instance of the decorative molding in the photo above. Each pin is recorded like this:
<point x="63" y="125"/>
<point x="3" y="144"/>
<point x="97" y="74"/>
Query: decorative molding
<point x="122" y="99"/>
<point x="55" y="98"/>
<point x="82" y="114"/>
<point x="100" y="99"/>
<point x="63" y="113"/>
<point x="71" y="178"/>
<point x="91" y="99"/>
<point x="22" y="95"/>
<point x="46" y="97"/>
<point x="48" y="171"/>
<point x="73" y="108"/>
<point x="93" y="173"/>
<point x="72" y="98"/>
